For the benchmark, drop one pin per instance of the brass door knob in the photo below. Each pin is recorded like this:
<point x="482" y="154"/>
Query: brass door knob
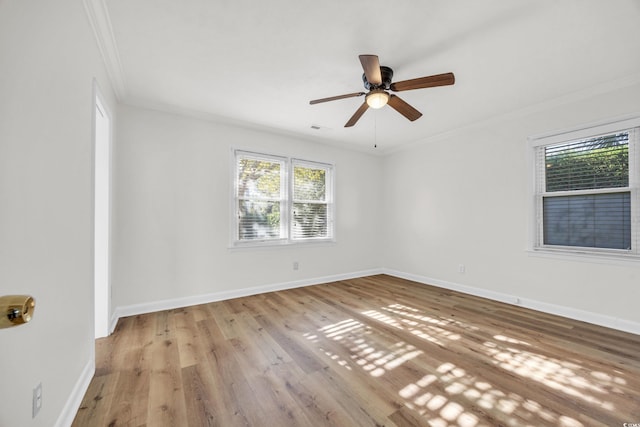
<point x="16" y="310"/>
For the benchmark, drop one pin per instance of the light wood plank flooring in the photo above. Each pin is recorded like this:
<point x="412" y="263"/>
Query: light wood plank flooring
<point x="375" y="351"/>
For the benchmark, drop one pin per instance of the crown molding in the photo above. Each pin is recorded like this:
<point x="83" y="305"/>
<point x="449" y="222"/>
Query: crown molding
<point x="556" y="102"/>
<point x="101" y="24"/>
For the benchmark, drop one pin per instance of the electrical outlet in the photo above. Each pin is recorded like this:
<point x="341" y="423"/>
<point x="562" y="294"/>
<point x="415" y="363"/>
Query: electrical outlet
<point x="37" y="400"/>
<point x="296" y="265"/>
<point x="461" y="268"/>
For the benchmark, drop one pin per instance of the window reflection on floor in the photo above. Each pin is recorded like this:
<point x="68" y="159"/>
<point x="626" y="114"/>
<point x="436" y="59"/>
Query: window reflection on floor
<point x="463" y="396"/>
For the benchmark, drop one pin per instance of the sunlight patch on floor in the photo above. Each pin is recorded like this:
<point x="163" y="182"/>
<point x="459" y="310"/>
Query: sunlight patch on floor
<point x="339" y="330"/>
<point x="436" y="397"/>
<point x="363" y="353"/>
<point x="416" y="322"/>
<point x="442" y="396"/>
<point x="382" y="317"/>
<point x="554" y="373"/>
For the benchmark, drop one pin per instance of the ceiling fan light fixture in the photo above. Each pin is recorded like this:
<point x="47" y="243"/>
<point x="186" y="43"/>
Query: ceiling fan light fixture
<point x="377" y="80"/>
<point x="377" y="98"/>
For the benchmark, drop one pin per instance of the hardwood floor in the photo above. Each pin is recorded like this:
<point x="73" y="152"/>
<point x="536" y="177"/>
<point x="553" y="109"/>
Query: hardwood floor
<point x="375" y="351"/>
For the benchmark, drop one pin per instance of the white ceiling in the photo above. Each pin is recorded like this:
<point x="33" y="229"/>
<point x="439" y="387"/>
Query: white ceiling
<point x="259" y="63"/>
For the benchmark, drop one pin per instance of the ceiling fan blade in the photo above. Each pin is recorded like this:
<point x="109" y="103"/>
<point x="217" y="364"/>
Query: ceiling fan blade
<point x="335" y="98"/>
<point x="424" y="82"/>
<point x="356" y="116"/>
<point x="371" y="67"/>
<point x="403" y="108"/>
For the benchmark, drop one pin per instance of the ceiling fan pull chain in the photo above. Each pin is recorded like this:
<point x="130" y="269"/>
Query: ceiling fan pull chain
<point x="375" y="130"/>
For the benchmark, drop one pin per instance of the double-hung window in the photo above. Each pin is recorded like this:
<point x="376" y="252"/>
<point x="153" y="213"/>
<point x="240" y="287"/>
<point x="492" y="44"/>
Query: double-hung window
<point x="586" y="190"/>
<point x="311" y="209"/>
<point x="281" y="200"/>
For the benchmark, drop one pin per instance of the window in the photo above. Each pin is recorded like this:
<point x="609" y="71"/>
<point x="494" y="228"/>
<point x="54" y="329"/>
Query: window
<point x="310" y="202"/>
<point x="586" y="197"/>
<point x="279" y="200"/>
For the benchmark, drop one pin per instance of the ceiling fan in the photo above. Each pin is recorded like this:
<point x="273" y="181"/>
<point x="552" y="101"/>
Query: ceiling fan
<point x="377" y="80"/>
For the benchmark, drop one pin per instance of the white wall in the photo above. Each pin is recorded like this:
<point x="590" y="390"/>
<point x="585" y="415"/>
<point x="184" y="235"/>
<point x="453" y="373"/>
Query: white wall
<point x="462" y="198"/>
<point x="171" y="199"/>
<point x="171" y="218"/>
<point x="48" y="60"/>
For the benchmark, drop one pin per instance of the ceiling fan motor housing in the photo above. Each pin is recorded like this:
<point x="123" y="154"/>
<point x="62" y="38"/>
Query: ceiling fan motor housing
<point x="377" y="95"/>
<point x="387" y="75"/>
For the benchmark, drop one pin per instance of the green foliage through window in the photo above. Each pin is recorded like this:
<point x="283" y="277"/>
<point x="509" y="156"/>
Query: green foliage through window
<point x="586" y="200"/>
<point x="309" y="183"/>
<point x="263" y="209"/>
<point x="601" y="162"/>
<point x="258" y="198"/>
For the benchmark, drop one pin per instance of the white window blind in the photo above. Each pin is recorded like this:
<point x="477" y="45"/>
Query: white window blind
<point x="260" y="197"/>
<point x="278" y="200"/>
<point x="586" y="193"/>
<point x="594" y="163"/>
<point x="311" y="202"/>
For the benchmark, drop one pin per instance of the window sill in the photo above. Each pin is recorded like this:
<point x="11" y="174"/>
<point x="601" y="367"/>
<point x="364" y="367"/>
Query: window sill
<point x="281" y="245"/>
<point x="586" y="256"/>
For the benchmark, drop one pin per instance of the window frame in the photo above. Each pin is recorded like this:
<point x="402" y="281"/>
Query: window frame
<point x="286" y="201"/>
<point x="281" y="199"/>
<point x="329" y="177"/>
<point x="538" y="192"/>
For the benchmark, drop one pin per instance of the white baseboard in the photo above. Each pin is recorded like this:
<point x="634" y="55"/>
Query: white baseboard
<point x="569" y="312"/>
<point x="113" y="322"/>
<point x="66" y="417"/>
<point x="150" y="307"/>
<point x="82" y="384"/>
